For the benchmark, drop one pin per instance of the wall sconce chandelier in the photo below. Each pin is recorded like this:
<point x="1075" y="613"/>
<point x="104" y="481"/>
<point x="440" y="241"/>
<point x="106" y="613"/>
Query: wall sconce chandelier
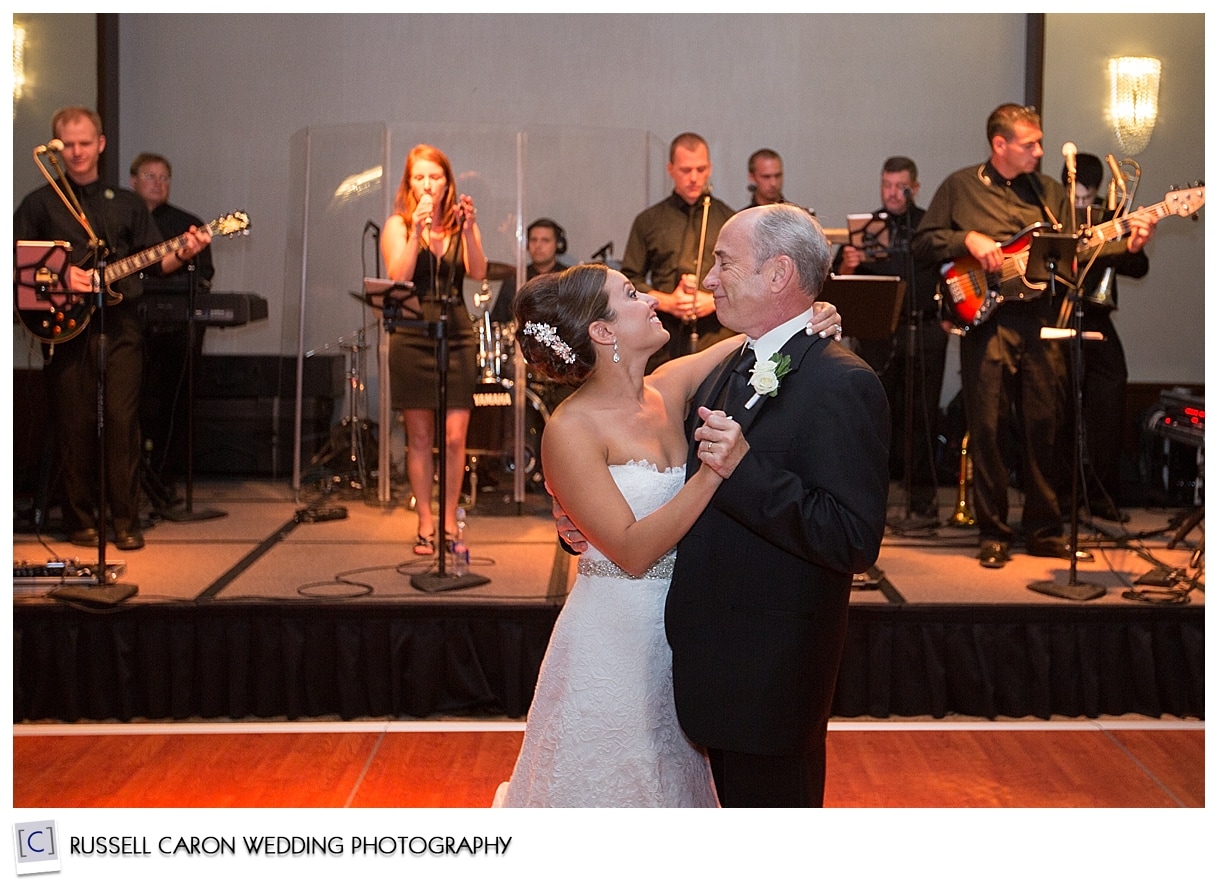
<point x="1133" y="103"/>
<point x="18" y="64"/>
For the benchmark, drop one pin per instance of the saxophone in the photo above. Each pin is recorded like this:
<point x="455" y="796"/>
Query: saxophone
<point x="962" y="517"/>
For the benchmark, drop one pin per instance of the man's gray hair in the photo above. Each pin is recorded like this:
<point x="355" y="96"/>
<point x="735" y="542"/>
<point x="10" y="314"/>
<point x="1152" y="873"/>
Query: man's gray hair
<point x="791" y="230"/>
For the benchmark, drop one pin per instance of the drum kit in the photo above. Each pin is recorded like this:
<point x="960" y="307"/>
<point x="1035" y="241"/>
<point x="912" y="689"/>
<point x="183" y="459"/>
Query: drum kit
<point x="499" y="414"/>
<point x="491" y="443"/>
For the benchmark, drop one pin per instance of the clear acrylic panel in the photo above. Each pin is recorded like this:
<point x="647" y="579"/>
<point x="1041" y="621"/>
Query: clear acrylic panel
<point x="592" y="181"/>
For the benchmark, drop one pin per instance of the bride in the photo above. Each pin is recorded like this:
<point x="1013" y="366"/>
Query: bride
<point x="602" y="729"/>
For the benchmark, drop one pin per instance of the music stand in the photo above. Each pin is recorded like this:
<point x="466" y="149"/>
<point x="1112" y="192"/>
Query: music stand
<point x="868" y="232"/>
<point x="406" y="311"/>
<point x="1051" y="260"/>
<point x="870" y="306"/>
<point x="38" y="268"/>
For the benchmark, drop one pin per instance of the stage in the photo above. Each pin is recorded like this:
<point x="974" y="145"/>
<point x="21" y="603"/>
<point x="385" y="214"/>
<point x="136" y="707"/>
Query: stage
<point x="265" y="612"/>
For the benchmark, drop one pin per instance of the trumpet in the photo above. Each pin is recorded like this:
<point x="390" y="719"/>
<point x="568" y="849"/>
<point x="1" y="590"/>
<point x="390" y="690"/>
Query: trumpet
<point x="962" y="517"/>
<point x="1126" y="174"/>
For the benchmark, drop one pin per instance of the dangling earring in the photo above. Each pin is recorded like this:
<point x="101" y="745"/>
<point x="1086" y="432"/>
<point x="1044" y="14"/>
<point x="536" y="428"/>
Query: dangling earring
<point x="616" y="355"/>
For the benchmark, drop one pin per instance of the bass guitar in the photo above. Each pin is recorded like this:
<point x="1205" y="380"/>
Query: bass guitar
<point x="971" y="294"/>
<point x="53" y="314"/>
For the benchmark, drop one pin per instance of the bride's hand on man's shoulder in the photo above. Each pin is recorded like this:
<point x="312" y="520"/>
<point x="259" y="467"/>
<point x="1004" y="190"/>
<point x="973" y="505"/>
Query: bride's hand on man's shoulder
<point x="825" y="321"/>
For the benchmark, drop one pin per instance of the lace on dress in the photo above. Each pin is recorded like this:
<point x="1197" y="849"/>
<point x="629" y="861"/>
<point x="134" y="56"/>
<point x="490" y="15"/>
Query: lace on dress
<point x="602" y="729"/>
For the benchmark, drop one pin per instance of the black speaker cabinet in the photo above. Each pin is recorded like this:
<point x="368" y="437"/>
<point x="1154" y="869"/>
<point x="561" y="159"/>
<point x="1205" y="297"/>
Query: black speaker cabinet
<point x="245" y="412"/>
<point x="268" y="376"/>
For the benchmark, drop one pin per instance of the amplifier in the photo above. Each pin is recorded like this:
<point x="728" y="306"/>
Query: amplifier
<point x="1180" y="417"/>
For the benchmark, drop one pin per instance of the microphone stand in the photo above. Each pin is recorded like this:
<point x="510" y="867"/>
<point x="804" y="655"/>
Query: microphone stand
<point x="913" y="356"/>
<point x="104" y="591"/>
<point x="1049" y="257"/>
<point x="442" y="580"/>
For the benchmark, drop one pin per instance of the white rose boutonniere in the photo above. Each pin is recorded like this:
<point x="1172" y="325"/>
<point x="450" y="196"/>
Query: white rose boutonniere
<point x="765" y="377"/>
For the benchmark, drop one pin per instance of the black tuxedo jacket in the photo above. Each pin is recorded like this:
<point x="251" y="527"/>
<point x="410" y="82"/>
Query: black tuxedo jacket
<point x="756" y="613"/>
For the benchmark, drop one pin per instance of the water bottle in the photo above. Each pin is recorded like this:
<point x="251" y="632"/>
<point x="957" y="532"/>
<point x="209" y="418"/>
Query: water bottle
<point x="460" y="549"/>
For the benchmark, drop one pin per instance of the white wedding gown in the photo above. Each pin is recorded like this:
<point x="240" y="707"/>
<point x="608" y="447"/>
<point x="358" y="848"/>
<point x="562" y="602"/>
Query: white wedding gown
<point x="602" y="729"/>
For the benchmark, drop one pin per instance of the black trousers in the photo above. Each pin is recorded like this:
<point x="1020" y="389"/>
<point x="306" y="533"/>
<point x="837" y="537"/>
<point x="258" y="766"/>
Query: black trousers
<point x="749" y="780"/>
<point x="71" y="381"/>
<point x="890" y="359"/>
<point x="1014" y="383"/>
<point x="1105" y="376"/>
<point x="164" y="398"/>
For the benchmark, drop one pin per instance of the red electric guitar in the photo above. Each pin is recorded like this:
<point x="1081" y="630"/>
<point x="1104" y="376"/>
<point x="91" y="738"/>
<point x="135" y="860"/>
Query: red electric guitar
<point x="54" y="314"/>
<point x="970" y="294"/>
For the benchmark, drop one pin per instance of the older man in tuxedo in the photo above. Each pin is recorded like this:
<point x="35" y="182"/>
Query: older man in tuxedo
<point x="756" y="613"/>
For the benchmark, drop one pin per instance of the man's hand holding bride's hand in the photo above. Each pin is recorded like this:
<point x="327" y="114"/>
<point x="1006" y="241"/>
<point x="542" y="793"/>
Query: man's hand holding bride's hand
<point x="568" y="531"/>
<point x="721" y="444"/>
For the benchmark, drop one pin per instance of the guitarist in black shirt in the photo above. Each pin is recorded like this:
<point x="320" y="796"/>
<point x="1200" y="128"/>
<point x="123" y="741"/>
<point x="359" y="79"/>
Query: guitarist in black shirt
<point x="120" y="219"/>
<point x="1011" y="379"/>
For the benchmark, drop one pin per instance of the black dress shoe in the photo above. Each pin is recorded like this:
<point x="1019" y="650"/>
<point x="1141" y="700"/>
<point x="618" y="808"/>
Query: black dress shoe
<point x="994" y="554"/>
<point x="86" y="537"/>
<point x="1055" y="546"/>
<point x="129" y="541"/>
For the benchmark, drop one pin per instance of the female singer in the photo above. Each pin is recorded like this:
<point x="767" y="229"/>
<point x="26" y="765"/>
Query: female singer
<point x="432" y="239"/>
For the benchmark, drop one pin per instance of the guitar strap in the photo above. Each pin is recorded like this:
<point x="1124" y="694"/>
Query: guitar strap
<point x="1034" y="183"/>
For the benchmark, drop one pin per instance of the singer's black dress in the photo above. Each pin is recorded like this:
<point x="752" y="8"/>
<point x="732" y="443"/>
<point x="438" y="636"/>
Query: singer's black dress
<point x="413" y="364"/>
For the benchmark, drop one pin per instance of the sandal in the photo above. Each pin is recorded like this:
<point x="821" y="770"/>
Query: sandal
<point x="424" y="544"/>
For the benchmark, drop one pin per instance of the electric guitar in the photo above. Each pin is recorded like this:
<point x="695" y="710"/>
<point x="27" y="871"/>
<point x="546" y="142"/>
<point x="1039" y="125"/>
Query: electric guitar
<point x="970" y="294"/>
<point x="53" y="314"/>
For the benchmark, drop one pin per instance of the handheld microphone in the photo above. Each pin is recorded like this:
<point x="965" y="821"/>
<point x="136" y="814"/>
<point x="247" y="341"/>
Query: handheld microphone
<point x="52" y="146"/>
<point x="1070" y="151"/>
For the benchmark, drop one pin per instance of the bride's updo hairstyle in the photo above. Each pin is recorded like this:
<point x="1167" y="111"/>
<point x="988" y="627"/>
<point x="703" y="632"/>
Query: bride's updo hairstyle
<point x="553" y="312"/>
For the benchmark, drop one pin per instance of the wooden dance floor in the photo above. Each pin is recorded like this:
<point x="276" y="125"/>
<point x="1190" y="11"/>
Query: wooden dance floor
<point x="262" y="613"/>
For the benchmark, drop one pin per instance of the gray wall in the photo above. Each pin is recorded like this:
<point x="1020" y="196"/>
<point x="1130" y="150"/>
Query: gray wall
<point x="50" y="84"/>
<point x="222" y="96"/>
<point x="1161" y="318"/>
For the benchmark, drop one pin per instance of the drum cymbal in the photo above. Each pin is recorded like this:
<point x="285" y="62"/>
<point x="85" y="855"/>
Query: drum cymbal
<point x="497" y="272"/>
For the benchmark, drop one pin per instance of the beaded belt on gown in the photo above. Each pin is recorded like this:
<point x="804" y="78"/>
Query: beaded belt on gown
<point x="661" y="569"/>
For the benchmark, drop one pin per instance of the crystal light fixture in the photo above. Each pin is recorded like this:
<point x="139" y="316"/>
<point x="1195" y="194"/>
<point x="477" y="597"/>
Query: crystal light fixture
<point x="1133" y="104"/>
